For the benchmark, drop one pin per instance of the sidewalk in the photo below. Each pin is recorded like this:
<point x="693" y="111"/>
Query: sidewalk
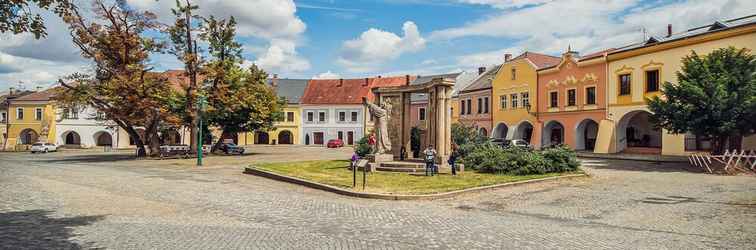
<point x="634" y="157"/>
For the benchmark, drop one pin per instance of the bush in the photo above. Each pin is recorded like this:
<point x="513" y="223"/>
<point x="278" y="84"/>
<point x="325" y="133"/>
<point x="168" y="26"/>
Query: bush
<point x="362" y="148"/>
<point x="489" y="158"/>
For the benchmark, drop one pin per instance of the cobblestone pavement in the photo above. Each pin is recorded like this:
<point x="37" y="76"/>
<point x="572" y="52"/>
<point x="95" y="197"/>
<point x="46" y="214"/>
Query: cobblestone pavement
<point x="103" y="200"/>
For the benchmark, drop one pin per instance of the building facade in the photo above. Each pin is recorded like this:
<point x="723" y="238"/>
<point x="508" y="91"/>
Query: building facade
<point x="475" y="102"/>
<point x="515" y="90"/>
<point x="572" y="100"/>
<point x="332" y="109"/>
<point x="31" y="119"/>
<point x="636" y="72"/>
<point x="81" y="128"/>
<point x="287" y="131"/>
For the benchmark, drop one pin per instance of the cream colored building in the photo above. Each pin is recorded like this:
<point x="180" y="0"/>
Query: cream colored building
<point x="637" y="72"/>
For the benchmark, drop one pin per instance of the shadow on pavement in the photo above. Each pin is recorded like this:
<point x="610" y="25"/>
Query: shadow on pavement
<point x="35" y="229"/>
<point x="93" y="158"/>
<point x="642" y="166"/>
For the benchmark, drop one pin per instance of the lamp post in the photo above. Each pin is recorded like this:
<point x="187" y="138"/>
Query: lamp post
<point x="201" y="103"/>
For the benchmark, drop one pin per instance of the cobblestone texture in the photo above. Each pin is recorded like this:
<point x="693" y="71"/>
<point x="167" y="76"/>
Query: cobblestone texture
<point x="87" y="200"/>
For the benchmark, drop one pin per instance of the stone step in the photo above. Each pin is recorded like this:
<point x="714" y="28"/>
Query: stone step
<point x="400" y="170"/>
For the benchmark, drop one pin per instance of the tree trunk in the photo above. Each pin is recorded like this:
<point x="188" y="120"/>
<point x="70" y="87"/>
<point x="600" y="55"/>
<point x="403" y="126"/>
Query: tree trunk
<point x="735" y="142"/>
<point x="218" y="143"/>
<point x="718" y="144"/>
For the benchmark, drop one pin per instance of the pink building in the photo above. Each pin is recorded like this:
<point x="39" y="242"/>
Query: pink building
<point x="475" y="105"/>
<point x="572" y="101"/>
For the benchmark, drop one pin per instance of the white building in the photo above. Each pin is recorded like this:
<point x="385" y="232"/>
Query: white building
<point x="321" y="123"/>
<point x="80" y="128"/>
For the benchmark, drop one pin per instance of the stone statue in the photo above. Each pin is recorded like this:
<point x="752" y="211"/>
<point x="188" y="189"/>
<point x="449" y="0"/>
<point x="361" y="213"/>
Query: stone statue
<point x="381" y="114"/>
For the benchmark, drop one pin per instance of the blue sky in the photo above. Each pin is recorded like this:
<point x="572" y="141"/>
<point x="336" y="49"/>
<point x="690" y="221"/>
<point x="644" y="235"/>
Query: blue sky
<point x="360" y="38"/>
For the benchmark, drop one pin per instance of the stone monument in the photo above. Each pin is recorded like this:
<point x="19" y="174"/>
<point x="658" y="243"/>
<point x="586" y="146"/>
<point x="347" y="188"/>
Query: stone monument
<point x="381" y="115"/>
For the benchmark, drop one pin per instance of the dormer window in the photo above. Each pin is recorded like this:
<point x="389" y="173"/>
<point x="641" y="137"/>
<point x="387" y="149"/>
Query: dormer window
<point x="514" y="73"/>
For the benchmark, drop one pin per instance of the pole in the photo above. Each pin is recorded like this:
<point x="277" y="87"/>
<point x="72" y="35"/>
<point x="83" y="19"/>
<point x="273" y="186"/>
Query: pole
<point x="354" y="174"/>
<point x="201" y="107"/>
<point x="364" y="176"/>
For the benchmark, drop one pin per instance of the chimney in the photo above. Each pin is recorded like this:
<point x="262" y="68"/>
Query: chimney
<point x="39" y="88"/>
<point x="407" y="79"/>
<point x="481" y="70"/>
<point x="12" y="89"/>
<point x="274" y="82"/>
<point x="367" y="80"/>
<point x="379" y="76"/>
<point x="341" y="82"/>
<point x="507" y="57"/>
<point x="669" y="30"/>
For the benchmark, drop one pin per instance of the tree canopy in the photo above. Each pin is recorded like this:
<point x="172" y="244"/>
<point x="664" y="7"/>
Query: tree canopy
<point x="714" y="97"/>
<point x="18" y="16"/>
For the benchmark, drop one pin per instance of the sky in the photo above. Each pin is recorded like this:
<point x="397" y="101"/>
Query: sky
<point x="364" y="38"/>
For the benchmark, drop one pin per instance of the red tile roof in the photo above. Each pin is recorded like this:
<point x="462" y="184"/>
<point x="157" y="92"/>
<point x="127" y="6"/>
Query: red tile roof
<point x="336" y="91"/>
<point x="540" y="60"/>
<point x="346" y="91"/>
<point x="44" y="95"/>
<point x="389" y="82"/>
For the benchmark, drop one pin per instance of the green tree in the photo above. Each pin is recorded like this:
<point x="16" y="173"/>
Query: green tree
<point x="121" y="87"/>
<point x="715" y="96"/>
<point x="18" y="17"/>
<point x="239" y="100"/>
<point x="463" y="134"/>
<point x="185" y="48"/>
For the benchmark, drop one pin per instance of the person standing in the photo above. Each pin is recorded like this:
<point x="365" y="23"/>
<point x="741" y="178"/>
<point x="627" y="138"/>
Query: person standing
<point x="430" y="160"/>
<point x="453" y="159"/>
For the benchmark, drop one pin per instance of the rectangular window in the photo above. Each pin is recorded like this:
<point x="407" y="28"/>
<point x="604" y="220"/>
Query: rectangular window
<point x="652" y="81"/>
<point x="571" y="97"/>
<point x="554" y="99"/>
<point x="485" y="105"/>
<point x="503" y="100"/>
<point x="19" y="114"/>
<point x="341" y="135"/>
<point x="590" y="95"/>
<point x="321" y="117"/>
<point x="525" y="99"/>
<point x="38" y="114"/>
<point x="3" y="117"/>
<point x="624" y="84"/>
<point x="514" y="100"/>
<point x="480" y="105"/>
<point x="310" y="117"/>
<point x="342" y="116"/>
<point x="65" y="113"/>
<point x="462" y="107"/>
<point x="354" y="116"/>
<point x="469" y="106"/>
<point x="74" y="113"/>
<point x="421" y="114"/>
<point x="290" y="116"/>
<point x="514" y="73"/>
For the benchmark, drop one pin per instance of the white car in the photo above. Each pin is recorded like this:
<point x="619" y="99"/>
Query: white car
<point x="43" y="147"/>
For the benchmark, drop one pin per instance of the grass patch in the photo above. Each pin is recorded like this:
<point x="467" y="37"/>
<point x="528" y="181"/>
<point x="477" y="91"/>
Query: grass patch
<point x="335" y="173"/>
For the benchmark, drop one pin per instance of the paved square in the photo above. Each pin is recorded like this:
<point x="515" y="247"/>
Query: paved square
<point x="94" y="200"/>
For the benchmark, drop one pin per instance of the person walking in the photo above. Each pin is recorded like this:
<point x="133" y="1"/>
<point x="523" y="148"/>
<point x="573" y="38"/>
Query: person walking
<point x="453" y="159"/>
<point x="430" y="160"/>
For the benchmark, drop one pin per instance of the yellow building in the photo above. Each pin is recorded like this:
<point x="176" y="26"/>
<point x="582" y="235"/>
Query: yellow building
<point x="31" y="118"/>
<point x="514" y="94"/>
<point x="288" y="130"/>
<point x="637" y="72"/>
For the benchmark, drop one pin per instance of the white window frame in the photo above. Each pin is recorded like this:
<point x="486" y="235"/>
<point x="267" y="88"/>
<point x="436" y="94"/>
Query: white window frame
<point x="503" y="102"/>
<point x="514" y="100"/>
<point x="38" y="113"/>
<point x="19" y="113"/>
<point x="525" y="99"/>
<point x="421" y="115"/>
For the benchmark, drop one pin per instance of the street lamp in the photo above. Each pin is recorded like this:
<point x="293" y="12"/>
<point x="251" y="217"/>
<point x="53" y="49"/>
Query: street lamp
<point x="201" y="104"/>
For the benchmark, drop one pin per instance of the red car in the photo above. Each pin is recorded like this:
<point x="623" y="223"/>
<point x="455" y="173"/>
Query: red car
<point x="335" y="143"/>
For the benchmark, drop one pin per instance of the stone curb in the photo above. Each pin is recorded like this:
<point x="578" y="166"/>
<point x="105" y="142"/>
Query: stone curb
<point x="341" y="191"/>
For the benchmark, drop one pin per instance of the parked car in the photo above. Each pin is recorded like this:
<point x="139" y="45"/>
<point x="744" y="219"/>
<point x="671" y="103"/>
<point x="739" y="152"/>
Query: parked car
<point x="43" y="147"/>
<point x="180" y="150"/>
<point x="498" y="141"/>
<point x="231" y="148"/>
<point x="335" y="143"/>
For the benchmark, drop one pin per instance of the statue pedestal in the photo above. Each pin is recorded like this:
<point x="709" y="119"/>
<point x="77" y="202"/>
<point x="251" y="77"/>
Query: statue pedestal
<point x="376" y="160"/>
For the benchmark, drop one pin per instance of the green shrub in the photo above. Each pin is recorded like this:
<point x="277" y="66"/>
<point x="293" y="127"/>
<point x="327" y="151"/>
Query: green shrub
<point x="489" y="158"/>
<point x="362" y="148"/>
<point x="560" y="159"/>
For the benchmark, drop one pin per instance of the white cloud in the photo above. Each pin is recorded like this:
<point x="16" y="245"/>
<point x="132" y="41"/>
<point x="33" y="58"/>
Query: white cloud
<point x="376" y="46"/>
<point x="550" y="26"/>
<point x="327" y="75"/>
<point x="504" y="4"/>
<point x="274" y="21"/>
<point x="485" y="59"/>
<point x="282" y="56"/>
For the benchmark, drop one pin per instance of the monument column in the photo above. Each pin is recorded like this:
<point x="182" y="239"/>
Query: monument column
<point x="447" y="125"/>
<point x="440" y="126"/>
<point x="407" y="123"/>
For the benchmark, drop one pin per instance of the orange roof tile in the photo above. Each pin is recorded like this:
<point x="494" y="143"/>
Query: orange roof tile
<point x="540" y="60"/>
